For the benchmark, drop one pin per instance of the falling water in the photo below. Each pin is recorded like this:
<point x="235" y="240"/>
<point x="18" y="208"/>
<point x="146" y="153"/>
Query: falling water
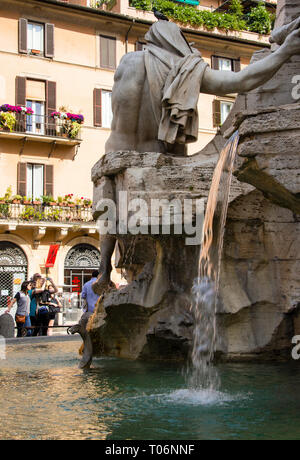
<point x="203" y="374"/>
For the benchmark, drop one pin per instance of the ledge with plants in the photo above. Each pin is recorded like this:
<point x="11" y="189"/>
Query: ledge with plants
<point x="63" y="209"/>
<point x="8" y="114"/>
<point x="258" y="20"/>
<point x="70" y="122"/>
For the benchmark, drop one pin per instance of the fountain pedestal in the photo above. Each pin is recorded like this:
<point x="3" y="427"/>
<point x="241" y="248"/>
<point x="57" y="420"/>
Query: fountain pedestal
<point x="151" y="317"/>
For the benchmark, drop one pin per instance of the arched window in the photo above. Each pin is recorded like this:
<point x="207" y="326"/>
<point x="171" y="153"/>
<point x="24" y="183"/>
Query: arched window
<point x="13" y="270"/>
<point x="80" y="262"/>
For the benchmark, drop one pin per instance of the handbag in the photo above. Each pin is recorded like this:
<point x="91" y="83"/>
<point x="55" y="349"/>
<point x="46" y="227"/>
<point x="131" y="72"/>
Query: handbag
<point x="20" y="319"/>
<point x="53" y="309"/>
<point x="43" y="310"/>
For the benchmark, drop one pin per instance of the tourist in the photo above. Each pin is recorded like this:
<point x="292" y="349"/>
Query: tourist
<point x="88" y="295"/>
<point x="37" y="283"/>
<point x="43" y="307"/>
<point x="23" y="307"/>
<point x="54" y="307"/>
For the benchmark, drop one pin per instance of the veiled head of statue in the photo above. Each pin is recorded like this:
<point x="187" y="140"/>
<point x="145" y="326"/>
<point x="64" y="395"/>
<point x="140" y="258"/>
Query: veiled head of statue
<point x="168" y="36"/>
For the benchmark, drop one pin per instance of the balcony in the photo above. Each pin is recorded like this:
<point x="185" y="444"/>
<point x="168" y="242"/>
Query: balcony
<point x="40" y="128"/>
<point x="40" y="218"/>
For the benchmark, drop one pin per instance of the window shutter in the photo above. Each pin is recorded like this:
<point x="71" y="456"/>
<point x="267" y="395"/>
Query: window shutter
<point x="215" y="62"/>
<point x="23" y="35"/>
<point x="216" y="113"/>
<point x="50" y="106"/>
<point x="236" y="65"/>
<point x="22" y="179"/>
<point x="49" y="40"/>
<point x="48" y="180"/>
<point x="97" y="107"/>
<point x="107" y="52"/>
<point x="21" y="91"/>
<point x="21" y="100"/>
<point x="103" y="52"/>
<point x="112" y="53"/>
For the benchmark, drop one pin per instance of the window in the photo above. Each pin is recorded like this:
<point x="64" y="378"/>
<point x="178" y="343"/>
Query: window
<point x="35" y="38"/>
<point x="225" y="110"/>
<point x="35" y="181"/>
<point x="221" y="110"/>
<point x="36" y="123"/>
<point x="140" y="46"/>
<point x="106" y="109"/>
<point x="107" y="52"/>
<point x="102" y="108"/>
<point x="225" y="63"/>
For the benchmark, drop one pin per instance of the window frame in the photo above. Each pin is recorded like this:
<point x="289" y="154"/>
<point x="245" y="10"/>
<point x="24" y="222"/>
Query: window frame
<point x="224" y="101"/>
<point x="48" y="38"/>
<point x="32" y="184"/>
<point x="235" y="63"/>
<point x="102" y="108"/>
<point x="42" y="52"/>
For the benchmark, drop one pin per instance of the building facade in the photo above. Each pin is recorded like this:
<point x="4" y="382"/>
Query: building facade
<point x="60" y="56"/>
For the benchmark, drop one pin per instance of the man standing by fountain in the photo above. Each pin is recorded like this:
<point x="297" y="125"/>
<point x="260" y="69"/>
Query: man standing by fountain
<point x="155" y="98"/>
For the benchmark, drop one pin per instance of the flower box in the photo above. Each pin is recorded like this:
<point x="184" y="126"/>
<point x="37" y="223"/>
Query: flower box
<point x="35" y="51"/>
<point x="16" y="201"/>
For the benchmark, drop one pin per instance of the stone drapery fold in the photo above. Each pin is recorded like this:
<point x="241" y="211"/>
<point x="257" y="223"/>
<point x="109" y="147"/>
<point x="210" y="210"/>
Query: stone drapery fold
<point x="174" y="71"/>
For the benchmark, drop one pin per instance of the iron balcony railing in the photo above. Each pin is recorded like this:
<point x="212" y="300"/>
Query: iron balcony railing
<point x="41" y="125"/>
<point x="44" y="213"/>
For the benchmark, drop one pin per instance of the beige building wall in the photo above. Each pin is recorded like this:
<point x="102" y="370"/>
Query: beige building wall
<point x="76" y="70"/>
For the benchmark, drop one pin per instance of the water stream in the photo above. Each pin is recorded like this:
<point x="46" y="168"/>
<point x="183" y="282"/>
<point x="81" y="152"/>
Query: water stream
<point x="203" y="374"/>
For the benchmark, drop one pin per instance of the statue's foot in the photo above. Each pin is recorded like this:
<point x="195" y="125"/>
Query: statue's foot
<point x="101" y="284"/>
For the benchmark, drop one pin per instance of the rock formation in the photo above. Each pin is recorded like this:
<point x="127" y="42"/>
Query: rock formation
<point x="260" y="274"/>
<point x="260" y="286"/>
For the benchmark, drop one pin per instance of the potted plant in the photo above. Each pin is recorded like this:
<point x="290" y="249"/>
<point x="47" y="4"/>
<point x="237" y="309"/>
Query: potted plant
<point x="60" y="201"/>
<point x="26" y="200"/>
<point x="48" y="200"/>
<point x="8" y="195"/>
<point x="2" y="200"/>
<point x="74" y="130"/>
<point x="8" y="121"/>
<point x="87" y="203"/>
<point x="70" y="123"/>
<point x="37" y="201"/>
<point x="17" y="199"/>
<point x="69" y="200"/>
<point x="79" y="201"/>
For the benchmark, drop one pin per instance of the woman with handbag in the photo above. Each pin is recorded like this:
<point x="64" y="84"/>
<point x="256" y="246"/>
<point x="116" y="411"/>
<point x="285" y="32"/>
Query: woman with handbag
<point x="45" y="307"/>
<point x="23" y="307"/>
<point x="54" y="308"/>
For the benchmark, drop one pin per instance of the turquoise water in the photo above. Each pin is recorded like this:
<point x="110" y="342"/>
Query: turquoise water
<point x="45" y="396"/>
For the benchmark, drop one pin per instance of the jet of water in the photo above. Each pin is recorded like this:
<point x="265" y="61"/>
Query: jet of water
<point x="203" y="374"/>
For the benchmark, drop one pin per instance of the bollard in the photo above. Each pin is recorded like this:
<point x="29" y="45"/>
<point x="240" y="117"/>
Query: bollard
<point x="7" y="326"/>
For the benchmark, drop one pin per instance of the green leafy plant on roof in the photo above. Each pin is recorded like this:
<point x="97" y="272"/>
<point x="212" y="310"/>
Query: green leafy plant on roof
<point x="257" y="20"/>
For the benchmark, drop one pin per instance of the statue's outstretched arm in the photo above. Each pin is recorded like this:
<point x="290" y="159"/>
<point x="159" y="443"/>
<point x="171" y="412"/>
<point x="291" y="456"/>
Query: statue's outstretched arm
<point x="221" y="83"/>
